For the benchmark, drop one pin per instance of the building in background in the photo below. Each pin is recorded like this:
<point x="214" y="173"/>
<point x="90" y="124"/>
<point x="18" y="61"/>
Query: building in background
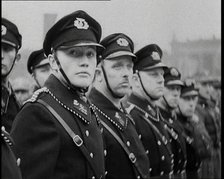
<point x="196" y="58"/>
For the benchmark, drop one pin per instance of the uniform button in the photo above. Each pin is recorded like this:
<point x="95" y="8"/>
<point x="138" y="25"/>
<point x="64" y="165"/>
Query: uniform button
<point x="162" y="172"/>
<point x="147" y="151"/>
<point x="101" y="130"/>
<point x="93" y="177"/>
<point x="139" y="136"/>
<point x="91" y="155"/>
<point x="128" y="143"/>
<point x="106" y="172"/>
<point x="138" y="177"/>
<point x="87" y="133"/>
<point x="171" y="140"/>
<point x="172" y="161"/>
<point x="163" y="157"/>
<point x="5" y="138"/>
<point x="150" y="169"/>
<point x="105" y="152"/>
<point x="18" y="162"/>
<point x="172" y="155"/>
<point x="159" y="143"/>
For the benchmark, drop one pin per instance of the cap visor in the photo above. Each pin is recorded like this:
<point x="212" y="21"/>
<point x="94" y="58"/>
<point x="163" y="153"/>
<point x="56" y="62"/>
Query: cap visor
<point x="158" y="65"/>
<point x="175" y="82"/>
<point x="8" y="42"/>
<point x="80" y="44"/>
<point x="190" y="93"/>
<point x="121" y="53"/>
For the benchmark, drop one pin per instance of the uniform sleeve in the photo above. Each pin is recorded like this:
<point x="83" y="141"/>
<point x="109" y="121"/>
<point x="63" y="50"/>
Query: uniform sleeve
<point x="36" y="141"/>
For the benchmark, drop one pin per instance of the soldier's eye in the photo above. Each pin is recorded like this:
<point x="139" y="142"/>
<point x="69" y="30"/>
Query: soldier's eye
<point x="91" y="54"/>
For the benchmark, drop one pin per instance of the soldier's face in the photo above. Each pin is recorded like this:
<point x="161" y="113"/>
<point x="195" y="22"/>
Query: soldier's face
<point x="172" y="95"/>
<point x="119" y="72"/>
<point x="41" y="74"/>
<point x="153" y="82"/>
<point x="8" y="56"/>
<point x="79" y="64"/>
<point x="187" y="105"/>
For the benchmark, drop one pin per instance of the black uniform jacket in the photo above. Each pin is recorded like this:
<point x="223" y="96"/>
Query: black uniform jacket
<point x="158" y="150"/>
<point x="9" y="108"/>
<point x="178" y="142"/>
<point x="193" y="159"/>
<point x="9" y="167"/>
<point x="118" y="164"/>
<point x="45" y="148"/>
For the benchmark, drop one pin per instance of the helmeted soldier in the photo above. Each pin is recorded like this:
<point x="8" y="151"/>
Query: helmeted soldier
<point x="39" y="67"/>
<point x="124" y="153"/>
<point x="167" y="105"/>
<point x="198" y="142"/>
<point x="148" y="84"/>
<point x="57" y="134"/>
<point x="11" y="43"/>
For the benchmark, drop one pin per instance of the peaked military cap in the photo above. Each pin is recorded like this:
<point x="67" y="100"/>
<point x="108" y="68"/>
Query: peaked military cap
<point x="10" y="34"/>
<point x="36" y="59"/>
<point x="75" y="29"/>
<point x="149" y="57"/>
<point x="189" y="88"/>
<point x="172" y="77"/>
<point x="117" y="44"/>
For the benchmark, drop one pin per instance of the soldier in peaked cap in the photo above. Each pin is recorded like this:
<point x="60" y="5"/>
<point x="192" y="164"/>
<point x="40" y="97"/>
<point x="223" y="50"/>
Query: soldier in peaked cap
<point x="124" y="153"/>
<point x="58" y="119"/>
<point x="147" y="87"/>
<point x="39" y="67"/>
<point x="167" y="105"/>
<point x="198" y="142"/>
<point x="11" y="43"/>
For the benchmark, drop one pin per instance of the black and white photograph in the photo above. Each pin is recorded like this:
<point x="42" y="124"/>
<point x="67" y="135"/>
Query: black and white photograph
<point x="111" y="89"/>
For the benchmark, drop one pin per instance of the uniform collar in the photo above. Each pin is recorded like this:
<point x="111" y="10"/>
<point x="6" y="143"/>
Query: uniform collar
<point x="70" y="99"/>
<point x="143" y="104"/>
<point x="103" y="104"/>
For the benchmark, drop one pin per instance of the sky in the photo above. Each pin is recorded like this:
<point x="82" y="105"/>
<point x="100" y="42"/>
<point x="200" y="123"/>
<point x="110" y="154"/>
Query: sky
<point x="145" y="21"/>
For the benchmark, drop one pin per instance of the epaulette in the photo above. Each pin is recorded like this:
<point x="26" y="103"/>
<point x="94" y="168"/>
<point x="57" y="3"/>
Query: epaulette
<point x="36" y="94"/>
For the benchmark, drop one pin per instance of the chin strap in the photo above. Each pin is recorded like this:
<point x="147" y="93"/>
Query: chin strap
<point x="69" y="85"/>
<point x="108" y="86"/>
<point x="5" y="75"/>
<point x="152" y="98"/>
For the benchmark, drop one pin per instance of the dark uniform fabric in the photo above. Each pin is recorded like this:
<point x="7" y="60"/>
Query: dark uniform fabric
<point x="118" y="165"/>
<point x="159" y="153"/>
<point x="9" y="167"/>
<point x="178" y="144"/>
<point x="9" y="108"/>
<point x="45" y="148"/>
<point x="193" y="159"/>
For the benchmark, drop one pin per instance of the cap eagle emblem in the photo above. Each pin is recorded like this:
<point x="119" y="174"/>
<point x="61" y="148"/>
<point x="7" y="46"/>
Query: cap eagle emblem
<point x="81" y="23"/>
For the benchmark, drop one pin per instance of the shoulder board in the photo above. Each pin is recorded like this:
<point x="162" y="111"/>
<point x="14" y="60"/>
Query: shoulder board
<point x="36" y="94"/>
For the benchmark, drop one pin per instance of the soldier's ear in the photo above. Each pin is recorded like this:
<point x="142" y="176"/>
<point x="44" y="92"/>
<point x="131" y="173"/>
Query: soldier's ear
<point x="98" y="74"/>
<point x="53" y="62"/>
<point x="135" y="80"/>
<point x="18" y="57"/>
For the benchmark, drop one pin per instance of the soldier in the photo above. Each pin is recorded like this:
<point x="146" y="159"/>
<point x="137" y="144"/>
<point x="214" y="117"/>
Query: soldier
<point x="206" y="109"/>
<point x="11" y="43"/>
<point x="167" y="105"/>
<point x="38" y="66"/>
<point x="197" y="139"/>
<point x="124" y="153"/>
<point x="148" y="85"/>
<point x="56" y="133"/>
<point x="23" y="88"/>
